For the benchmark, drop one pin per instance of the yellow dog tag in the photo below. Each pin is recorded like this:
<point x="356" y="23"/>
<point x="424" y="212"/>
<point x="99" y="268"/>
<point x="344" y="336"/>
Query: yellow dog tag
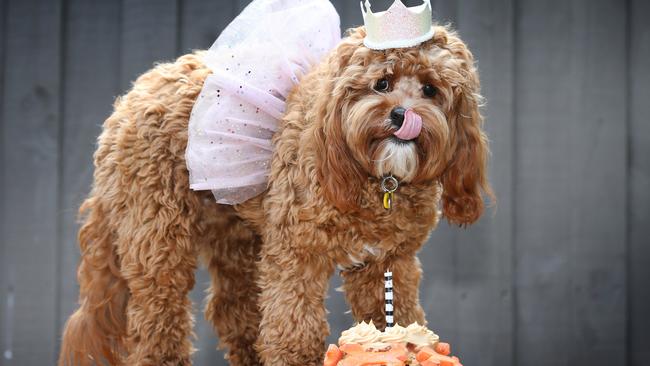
<point x="388" y="200"/>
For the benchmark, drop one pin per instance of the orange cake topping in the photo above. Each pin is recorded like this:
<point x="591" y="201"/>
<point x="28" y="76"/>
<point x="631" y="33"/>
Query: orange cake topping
<point x="365" y="345"/>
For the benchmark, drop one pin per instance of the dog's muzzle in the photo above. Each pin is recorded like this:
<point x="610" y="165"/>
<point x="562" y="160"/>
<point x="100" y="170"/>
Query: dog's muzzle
<point x="408" y="122"/>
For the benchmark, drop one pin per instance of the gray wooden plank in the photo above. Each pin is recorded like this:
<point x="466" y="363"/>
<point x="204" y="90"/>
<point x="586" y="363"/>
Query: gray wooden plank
<point x="639" y="181"/>
<point x="484" y="251"/>
<point x="149" y="35"/>
<point x="468" y="272"/>
<point x="31" y="179"/>
<point x="91" y="69"/>
<point x="201" y="23"/>
<point x="570" y="182"/>
<point x="3" y="255"/>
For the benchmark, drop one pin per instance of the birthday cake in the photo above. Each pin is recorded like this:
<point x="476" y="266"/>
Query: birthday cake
<point x="365" y="345"/>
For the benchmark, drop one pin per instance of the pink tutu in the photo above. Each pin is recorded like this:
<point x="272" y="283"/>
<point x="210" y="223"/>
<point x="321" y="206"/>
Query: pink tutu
<point x="255" y="62"/>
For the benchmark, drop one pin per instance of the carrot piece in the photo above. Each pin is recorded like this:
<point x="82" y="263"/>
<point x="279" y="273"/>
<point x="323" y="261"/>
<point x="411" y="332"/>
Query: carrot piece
<point x="443" y="360"/>
<point x="443" y="348"/>
<point x="438" y="356"/>
<point x="357" y="356"/>
<point x="332" y="356"/>
<point x="429" y="362"/>
<point x="424" y="354"/>
<point x="351" y="348"/>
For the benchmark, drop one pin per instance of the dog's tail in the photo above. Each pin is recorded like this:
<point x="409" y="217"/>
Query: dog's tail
<point x="94" y="334"/>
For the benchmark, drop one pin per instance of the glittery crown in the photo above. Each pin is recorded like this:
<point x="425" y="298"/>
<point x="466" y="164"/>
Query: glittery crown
<point x="397" y="27"/>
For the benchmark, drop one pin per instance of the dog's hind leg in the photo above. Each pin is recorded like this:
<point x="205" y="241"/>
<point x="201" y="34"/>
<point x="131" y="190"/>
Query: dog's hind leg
<point x="158" y="258"/>
<point x="232" y="301"/>
<point x="96" y="330"/>
<point x="148" y="248"/>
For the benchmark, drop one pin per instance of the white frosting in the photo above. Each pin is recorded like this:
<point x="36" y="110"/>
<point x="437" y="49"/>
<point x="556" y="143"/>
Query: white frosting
<point x="395" y="334"/>
<point x="420" y="336"/>
<point x="362" y="333"/>
<point x="367" y="334"/>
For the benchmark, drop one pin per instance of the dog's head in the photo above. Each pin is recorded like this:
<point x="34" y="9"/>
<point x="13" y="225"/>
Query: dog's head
<point x="412" y="113"/>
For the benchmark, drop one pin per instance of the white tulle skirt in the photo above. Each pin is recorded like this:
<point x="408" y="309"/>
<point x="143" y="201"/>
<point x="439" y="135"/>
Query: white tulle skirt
<point x="255" y="62"/>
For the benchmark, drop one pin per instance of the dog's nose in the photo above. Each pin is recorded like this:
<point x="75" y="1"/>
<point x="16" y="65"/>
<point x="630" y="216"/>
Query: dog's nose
<point x="397" y="116"/>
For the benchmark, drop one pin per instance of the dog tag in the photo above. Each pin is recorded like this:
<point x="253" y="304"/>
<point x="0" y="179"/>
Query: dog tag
<point x="388" y="200"/>
<point x="389" y="185"/>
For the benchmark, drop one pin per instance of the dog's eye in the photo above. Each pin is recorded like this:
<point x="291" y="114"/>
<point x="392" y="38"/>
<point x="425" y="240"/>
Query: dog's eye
<point x="382" y="85"/>
<point x="429" y="91"/>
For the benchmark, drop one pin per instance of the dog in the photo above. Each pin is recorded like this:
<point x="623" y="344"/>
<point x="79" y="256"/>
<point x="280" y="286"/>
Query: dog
<point x="271" y="257"/>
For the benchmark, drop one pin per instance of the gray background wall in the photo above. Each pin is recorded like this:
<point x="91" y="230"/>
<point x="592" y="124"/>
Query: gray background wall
<point x="557" y="274"/>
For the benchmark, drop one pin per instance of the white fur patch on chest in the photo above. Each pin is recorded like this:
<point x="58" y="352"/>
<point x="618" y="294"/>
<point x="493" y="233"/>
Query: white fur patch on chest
<point x="400" y="159"/>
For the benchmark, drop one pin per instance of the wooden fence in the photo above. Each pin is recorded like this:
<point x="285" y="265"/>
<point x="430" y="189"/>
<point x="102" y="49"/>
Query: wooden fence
<point x="558" y="274"/>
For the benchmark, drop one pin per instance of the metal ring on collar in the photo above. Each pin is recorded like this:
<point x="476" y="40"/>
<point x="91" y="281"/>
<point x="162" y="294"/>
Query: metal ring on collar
<point x="389" y="184"/>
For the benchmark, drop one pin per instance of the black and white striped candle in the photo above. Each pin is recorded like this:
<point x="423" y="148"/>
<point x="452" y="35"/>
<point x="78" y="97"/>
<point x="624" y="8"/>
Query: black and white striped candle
<point x="388" y="298"/>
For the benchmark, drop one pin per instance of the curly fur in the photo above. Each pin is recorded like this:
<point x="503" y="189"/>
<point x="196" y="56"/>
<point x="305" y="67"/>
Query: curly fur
<point x="271" y="257"/>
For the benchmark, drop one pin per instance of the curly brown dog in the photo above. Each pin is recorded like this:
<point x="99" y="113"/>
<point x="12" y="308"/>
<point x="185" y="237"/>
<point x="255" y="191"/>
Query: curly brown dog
<point x="271" y="258"/>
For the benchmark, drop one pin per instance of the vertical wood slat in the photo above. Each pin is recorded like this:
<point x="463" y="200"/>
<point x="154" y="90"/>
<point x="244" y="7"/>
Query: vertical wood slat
<point x="484" y="252"/>
<point x="31" y="179"/>
<point x="3" y="254"/>
<point x="469" y="271"/>
<point x="91" y="66"/>
<point x="639" y="181"/>
<point x="570" y="191"/>
<point x="149" y="35"/>
<point x="201" y="23"/>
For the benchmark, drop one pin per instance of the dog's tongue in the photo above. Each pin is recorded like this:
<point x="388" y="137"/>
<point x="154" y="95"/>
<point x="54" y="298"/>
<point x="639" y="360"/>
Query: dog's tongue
<point x="411" y="127"/>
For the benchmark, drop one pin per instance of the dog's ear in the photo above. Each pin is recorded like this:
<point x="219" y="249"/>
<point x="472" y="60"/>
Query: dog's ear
<point x="465" y="179"/>
<point x="339" y="174"/>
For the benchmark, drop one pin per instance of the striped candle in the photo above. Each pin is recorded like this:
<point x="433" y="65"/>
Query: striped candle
<point x="388" y="298"/>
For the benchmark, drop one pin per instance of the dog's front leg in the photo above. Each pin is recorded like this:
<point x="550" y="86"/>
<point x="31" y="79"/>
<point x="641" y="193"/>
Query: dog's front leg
<point x="364" y="290"/>
<point x="293" y="279"/>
